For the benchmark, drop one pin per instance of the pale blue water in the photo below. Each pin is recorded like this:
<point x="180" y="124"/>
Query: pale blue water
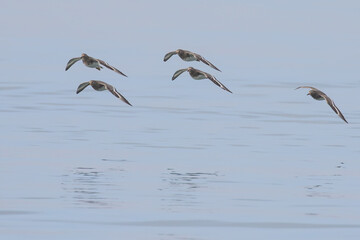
<point x="188" y="160"/>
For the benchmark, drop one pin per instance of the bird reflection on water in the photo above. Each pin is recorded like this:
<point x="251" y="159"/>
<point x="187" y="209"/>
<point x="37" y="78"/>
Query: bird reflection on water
<point x="182" y="189"/>
<point x="87" y="187"/>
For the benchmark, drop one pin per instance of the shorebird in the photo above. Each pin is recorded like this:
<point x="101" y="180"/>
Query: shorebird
<point x="101" y="86"/>
<point x="319" y="95"/>
<point x="198" y="75"/>
<point x="91" y="63"/>
<point x="189" y="56"/>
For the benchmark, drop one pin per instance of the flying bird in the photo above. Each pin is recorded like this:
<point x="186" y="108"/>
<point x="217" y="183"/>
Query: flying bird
<point x="101" y="86"/>
<point x="198" y="75"/>
<point x="91" y="63"/>
<point x="319" y="95"/>
<point x="189" y="56"/>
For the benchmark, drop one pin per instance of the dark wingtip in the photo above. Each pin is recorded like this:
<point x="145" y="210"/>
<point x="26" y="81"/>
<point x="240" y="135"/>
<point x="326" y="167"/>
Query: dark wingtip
<point x="117" y="71"/>
<point x="128" y="102"/>
<point x="217" y="69"/>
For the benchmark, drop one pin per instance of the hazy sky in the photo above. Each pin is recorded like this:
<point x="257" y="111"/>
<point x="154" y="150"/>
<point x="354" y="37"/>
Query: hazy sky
<point x="255" y="39"/>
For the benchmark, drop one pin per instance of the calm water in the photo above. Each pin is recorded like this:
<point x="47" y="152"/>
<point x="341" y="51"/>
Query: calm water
<point x="188" y="160"/>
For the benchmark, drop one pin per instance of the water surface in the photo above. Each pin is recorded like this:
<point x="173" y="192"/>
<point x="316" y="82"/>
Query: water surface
<point x="188" y="160"/>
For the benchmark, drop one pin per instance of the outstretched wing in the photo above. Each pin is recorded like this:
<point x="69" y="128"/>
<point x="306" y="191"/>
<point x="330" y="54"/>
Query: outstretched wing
<point x="116" y="93"/>
<point x="200" y="58"/>
<point x="168" y="55"/>
<point x="333" y="106"/>
<point x="308" y="87"/>
<point x="82" y="87"/>
<point x="110" y="67"/>
<point x="178" y="72"/>
<point x="217" y="82"/>
<point x="71" y="62"/>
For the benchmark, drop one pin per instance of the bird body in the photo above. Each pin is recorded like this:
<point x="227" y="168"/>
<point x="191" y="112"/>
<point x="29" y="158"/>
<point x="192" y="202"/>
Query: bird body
<point x="319" y="95"/>
<point x="91" y="62"/>
<point x="187" y="55"/>
<point x="198" y="75"/>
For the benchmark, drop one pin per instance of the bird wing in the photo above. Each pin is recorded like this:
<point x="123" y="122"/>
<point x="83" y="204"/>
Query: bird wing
<point x="71" y="62"/>
<point x="178" y="72"/>
<point x="308" y="87"/>
<point x="82" y="87"/>
<point x="168" y="55"/>
<point x="110" y="67"/>
<point x="333" y="106"/>
<point x="200" y="58"/>
<point x="217" y="82"/>
<point x="116" y="93"/>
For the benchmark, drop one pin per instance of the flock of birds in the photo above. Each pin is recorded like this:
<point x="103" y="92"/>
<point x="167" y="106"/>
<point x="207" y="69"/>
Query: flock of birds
<point x="194" y="73"/>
